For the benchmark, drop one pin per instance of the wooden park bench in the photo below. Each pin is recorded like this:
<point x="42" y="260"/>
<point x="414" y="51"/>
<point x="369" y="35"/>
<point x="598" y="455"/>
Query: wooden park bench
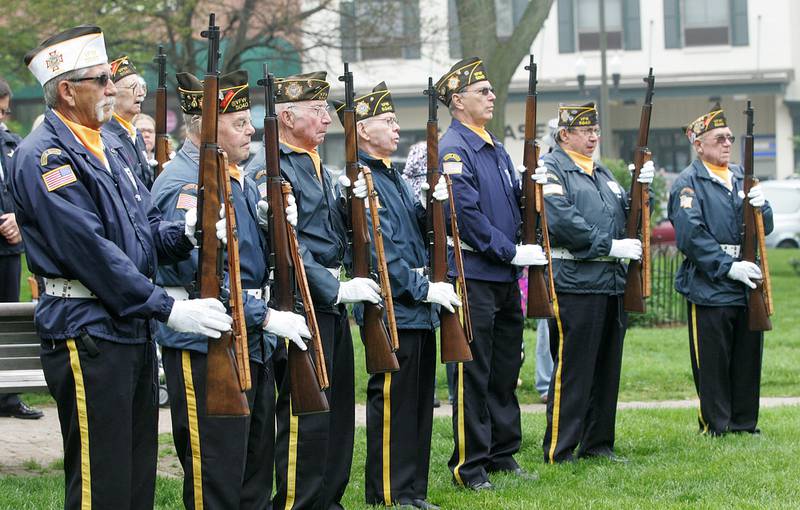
<point x="20" y="367"/>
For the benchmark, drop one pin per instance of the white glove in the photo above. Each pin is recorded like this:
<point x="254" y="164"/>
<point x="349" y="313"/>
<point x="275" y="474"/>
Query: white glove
<point x="529" y="255"/>
<point x="263" y="212"/>
<point x="443" y="293"/>
<point x="646" y="174"/>
<point x="357" y="290"/>
<point x="440" y="193"/>
<point x="626" y="249"/>
<point x="360" y="187"/>
<point x="190" y="227"/>
<point x="539" y="174"/>
<point x="221" y="227"/>
<point x="205" y="317"/>
<point x="291" y="210"/>
<point x="756" y="196"/>
<point x="287" y="325"/>
<point x="745" y="272"/>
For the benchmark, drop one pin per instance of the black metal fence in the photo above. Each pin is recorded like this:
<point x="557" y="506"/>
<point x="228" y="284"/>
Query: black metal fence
<point x="665" y="307"/>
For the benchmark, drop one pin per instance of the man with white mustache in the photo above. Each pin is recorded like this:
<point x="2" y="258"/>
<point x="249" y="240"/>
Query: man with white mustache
<point x="131" y="91"/>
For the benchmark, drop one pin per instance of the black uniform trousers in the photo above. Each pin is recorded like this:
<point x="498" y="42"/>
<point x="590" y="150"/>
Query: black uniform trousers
<point x="107" y="407"/>
<point x="227" y="461"/>
<point x="9" y="292"/>
<point x="314" y="453"/>
<point x="726" y="365"/>
<point x="486" y="415"/>
<point x="586" y="338"/>
<point x="399" y="423"/>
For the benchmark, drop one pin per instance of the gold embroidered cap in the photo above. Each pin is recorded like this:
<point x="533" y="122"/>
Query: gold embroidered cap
<point x="302" y="87"/>
<point x="234" y="92"/>
<point x="462" y="74"/>
<point x="369" y="105"/>
<point x="711" y="120"/>
<point x="121" y="67"/>
<point x="571" y="115"/>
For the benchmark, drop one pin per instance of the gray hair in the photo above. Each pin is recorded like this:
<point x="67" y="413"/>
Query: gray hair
<point x="5" y="90"/>
<point x="50" y="88"/>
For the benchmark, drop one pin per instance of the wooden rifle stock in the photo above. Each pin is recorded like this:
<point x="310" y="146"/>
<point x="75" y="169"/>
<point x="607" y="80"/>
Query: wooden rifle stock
<point x="224" y="396"/>
<point x="458" y="257"/>
<point x="305" y="382"/>
<point x="454" y="340"/>
<point x="379" y="343"/>
<point x="758" y="310"/>
<point x="633" y="300"/>
<point x="162" y="140"/>
<point x="534" y="219"/>
<point x="647" y="286"/>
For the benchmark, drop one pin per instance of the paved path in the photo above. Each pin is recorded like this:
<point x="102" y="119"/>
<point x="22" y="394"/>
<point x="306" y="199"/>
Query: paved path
<point x="40" y="440"/>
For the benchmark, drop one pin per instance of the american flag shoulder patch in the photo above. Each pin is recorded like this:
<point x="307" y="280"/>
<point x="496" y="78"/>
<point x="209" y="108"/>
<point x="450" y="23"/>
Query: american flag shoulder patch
<point x="186" y="201"/>
<point x="58" y="177"/>
<point x="262" y="190"/>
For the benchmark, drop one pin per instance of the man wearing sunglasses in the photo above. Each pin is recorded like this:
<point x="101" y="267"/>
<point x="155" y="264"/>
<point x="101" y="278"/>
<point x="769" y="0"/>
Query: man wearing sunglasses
<point x="315" y="452"/>
<point x="399" y="409"/>
<point x="97" y="240"/>
<point x="131" y="91"/>
<point x="586" y="213"/>
<point x="705" y="206"/>
<point x="486" y="191"/>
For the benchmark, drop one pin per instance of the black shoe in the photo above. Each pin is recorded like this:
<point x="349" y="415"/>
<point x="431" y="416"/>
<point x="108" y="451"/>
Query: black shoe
<point x="424" y="504"/>
<point x="604" y="454"/>
<point x="404" y="504"/>
<point x="485" y="485"/>
<point x="436" y="403"/>
<point x="22" y="411"/>
<point x="524" y="475"/>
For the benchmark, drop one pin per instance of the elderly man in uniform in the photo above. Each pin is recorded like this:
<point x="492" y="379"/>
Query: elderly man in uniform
<point x="91" y="230"/>
<point x="227" y="461"/>
<point x="146" y="126"/>
<point x="314" y="452"/>
<point x="586" y="212"/>
<point x="399" y="410"/>
<point x="705" y="206"/>
<point x="486" y="191"/>
<point x="131" y="91"/>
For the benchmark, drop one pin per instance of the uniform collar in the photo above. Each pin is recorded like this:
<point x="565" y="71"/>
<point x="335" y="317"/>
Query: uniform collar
<point x="473" y="139"/>
<point x="374" y="161"/>
<point x="737" y="172"/>
<point x="191" y="151"/>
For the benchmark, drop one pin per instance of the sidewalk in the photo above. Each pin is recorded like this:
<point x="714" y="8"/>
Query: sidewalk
<point x="40" y="440"/>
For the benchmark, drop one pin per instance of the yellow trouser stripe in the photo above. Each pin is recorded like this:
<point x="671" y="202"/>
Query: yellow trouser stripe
<point x="461" y="436"/>
<point x="387" y="438"/>
<point x="697" y="360"/>
<point x="557" y="385"/>
<point x="291" y="472"/>
<point x="83" y="425"/>
<point x="194" y="428"/>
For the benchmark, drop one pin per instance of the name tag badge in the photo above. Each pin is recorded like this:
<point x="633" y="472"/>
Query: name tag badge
<point x="614" y="187"/>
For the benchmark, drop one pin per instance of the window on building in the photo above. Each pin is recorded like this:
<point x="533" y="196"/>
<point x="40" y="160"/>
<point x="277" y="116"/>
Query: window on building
<point x="705" y="23"/>
<point x="579" y="25"/>
<point x="380" y="29"/>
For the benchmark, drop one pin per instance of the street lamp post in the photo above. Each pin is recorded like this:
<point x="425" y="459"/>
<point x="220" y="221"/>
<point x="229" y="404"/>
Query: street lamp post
<point x="605" y="140"/>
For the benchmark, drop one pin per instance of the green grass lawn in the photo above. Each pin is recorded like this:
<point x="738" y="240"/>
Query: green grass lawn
<point x="671" y="466"/>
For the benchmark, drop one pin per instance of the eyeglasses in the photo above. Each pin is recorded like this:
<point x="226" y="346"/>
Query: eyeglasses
<point x="100" y="79"/>
<point x="4" y="112"/>
<point x="390" y="121"/>
<point x="720" y="139"/>
<point x="484" y="91"/>
<point x="241" y="125"/>
<point x="133" y="87"/>
<point x="587" y="131"/>
<point x="319" y="110"/>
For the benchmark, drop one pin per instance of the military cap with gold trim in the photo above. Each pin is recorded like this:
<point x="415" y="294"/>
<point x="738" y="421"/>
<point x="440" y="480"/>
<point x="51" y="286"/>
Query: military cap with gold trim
<point x="369" y="105"/>
<point x="711" y="120"/>
<point x="571" y="115"/>
<point x="121" y="67"/>
<point x="234" y="92"/>
<point x="302" y="87"/>
<point x="463" y="73"/>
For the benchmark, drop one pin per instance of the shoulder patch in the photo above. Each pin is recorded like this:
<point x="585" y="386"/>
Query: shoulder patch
<point x="260" y="174"/>
<point x="58" y="177"/>
<point x="552" y="189"/>
<point x="551" y="177"/>
<point x="53" y="151"/>
<point x="186" y="202"/>
<point x="687" y="191"/>
<point x="262" y="190"/>
<point x="452" y="167"/>
<point x="451" y="156"/>
<point x="191" y="186"/>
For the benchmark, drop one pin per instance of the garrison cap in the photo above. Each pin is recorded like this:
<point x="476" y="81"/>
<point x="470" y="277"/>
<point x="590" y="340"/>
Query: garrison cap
<point x="462" y="74"/>
<point x="302" y="87"/>
<point x="75" y="48"/>
<point x="369" y="105"/>
<point x="711" y="120"/>
<point x="121" y="67"/>
<point x="571" y="115"/>
<point x="234" y="92"/>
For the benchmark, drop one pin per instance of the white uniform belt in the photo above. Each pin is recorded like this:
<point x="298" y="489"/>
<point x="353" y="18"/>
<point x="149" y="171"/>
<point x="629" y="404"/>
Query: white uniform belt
<point x="731" y="249"/>
<point x="464" y="246"/>
<point x="63" y="288"/>
<point x="564" y="254"/>
<point x="419" y="270"/>
<point x="181" y="294"/>
<point x="335" y="271"/>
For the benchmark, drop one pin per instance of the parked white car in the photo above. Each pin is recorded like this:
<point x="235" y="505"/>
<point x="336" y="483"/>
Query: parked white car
<point x="784" y="197"/>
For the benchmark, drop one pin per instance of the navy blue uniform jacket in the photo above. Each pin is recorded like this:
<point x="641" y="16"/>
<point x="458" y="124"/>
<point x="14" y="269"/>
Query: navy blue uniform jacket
<point x="487" y="194"/>
<point x="706" y="214"/>
<point x="174" y="192"/>
<point x="97" y="226"/>
<point x="135" y="152"/>
<point x="8" y="144"/>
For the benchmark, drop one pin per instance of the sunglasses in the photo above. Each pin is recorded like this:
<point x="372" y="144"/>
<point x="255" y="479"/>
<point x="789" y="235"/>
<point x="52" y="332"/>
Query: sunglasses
<point x="484" y="91"/>
<point x="719" y="140"/>
<point x="100" y="79"/>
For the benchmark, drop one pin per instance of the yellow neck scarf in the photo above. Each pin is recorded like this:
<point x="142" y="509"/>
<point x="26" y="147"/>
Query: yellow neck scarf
<point x="235" y="172"/>
<point x="584" y="163"/>
<point x="480" y="132"/>
<point x="722" y="172"/>
<point x="89" y="138"/>
<point x="314" y="155"/>
<point x="128" y="127"/>
<point x="386" y="161"/>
